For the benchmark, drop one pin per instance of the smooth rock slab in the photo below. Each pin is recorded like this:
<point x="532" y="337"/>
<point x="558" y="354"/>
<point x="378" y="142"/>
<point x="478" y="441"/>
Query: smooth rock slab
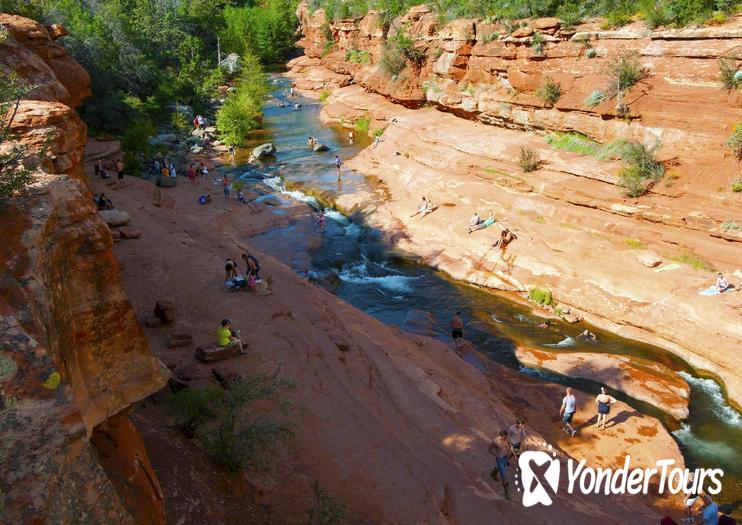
<point x="115" y="218"/>
<point x="641" y="379"/>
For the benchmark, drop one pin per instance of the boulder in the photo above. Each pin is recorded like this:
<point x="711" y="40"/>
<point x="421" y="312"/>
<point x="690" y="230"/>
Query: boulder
<point x="522" y="32"/>
<point x="544" y="24"/>
<point x="320" y="147"/>
<point x="198" y="133"/>
<point x="115" y="218"/>
<point x="178" y="340"/>
<point x="207" y="354"/>
<point x="264" y="150"/>
<point x="165" y="311"/>
<point x="153" y="322"/>
<point x="127" y="232"/>
<point x="167" y="138"/>
<point x="197" y="149"/>
<point x="211" y="130"/>
<point x="165" y="182"/>
<point x="649" y="259"/>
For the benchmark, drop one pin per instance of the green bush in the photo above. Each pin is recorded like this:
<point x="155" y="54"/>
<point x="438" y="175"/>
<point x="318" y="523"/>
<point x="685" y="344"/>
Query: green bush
<point x="693" y="261"/>
<point x="549" y="92"/>
<point x="180" y="122"/>
<point x="730" y="74"/>
<point x="14" y="175"/>
<point x="737" y="186"/>
<point x="734" y="142"/>
<point x="633" y="244"/>
<point x="234" y="436"/>
<point x="654" y="13"/>
<point x="361" y="124"/>
<point x="528" y="159"/>
<point x="537" y="43"/>
<point x="541" y="296"/>
<point x="392" y="60"/>
<point x="192" y="407"/>
<point x="326" y="509"/>
<point x="134" y="143"/>
<point x="266" y="29"/>
<point x="242" y="111"/>
<point x="641" y="169"/>
<point x="569" y="14"/>
<point x="615" y="19"/>
<point x="324" y="95"/>
<point x="358" y="56"/>
<point x="624" y="71"/>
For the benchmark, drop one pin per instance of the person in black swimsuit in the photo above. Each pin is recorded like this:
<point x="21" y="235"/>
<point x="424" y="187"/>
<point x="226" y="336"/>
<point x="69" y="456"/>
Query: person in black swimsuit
<point x="603" y="401"/>
<point x="457" y="330"/>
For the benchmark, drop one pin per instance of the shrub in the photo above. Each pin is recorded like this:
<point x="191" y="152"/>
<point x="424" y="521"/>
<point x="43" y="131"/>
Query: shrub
<point x="326" y="509"/>
<point x="737" y="186"/>
<point x="324" y="95"/>
<point x="379" y="132"/>
<point x="541" y="296"/>
<point x="569" y="14"/>
<point x="654" y="13"/>
<point x="192" y="407"/>
<point x="180" y="122"/>
<point x="717" y="19"/>
<point x="549" y="92"/>
<point x="616" y="19"/>
<point x="537" y="43"/>
<point x="624" y="71"/>
<point x="641" y="169"/>
<point x="730" y="75"/>
<point x="508" y="25"/>
<point x="14" y="175"/>
<point x="694" y="261"/>
<point x="392" y="60"/>
<point x="358" y="56"/>
<point x="407" y="47"/>
<point x="528" y="159"/>
<point x="361" y="124"/>
<point x="734" y="142"/>
<point x="234" y="437"/>
<point x="633" y="244"/>
<point x="134" y="142"/>
<point x="595" y="98"/>
<point x="731" y="226"/>
<point x="494" y="35"/>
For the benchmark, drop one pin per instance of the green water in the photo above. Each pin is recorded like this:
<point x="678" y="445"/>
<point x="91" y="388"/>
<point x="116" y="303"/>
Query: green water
<point x="389" y="285"/>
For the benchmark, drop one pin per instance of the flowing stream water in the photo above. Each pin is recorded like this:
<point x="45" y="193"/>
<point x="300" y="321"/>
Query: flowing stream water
<point x="389" y="285"/>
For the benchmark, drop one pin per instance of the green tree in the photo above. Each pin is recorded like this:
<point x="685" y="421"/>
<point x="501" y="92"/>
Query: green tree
<point x="14" y="176"/>
<point x="241" y="112"/>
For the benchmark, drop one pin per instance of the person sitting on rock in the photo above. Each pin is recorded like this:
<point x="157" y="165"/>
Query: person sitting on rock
<point x="227" y="336"/>
<point x="104" y="203"/>
<point x="241" y="197"/>
<point x="421" y="207"/>
<point x="587" y="334"/>
<point x="722" y="285"/>
<point x="204" y="199"/>
<point x="474" y="222"/>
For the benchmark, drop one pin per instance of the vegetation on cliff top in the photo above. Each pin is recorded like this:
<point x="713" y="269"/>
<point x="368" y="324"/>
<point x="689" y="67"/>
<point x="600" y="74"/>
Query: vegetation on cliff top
<point x="143" y="55"/>
<point x="14" y="175"/>
<point x="617" y="12"/>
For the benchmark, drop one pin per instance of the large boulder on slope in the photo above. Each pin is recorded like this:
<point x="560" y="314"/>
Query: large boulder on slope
<point x="115" y="218"/>
<point x="264" y="150"/>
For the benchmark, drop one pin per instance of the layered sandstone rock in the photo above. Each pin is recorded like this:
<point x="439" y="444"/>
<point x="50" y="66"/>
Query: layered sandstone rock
<point x="575" y="227"/>
<point x="68" y="332"/>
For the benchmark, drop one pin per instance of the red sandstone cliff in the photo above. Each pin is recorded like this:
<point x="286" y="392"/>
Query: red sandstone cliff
<point x="73" y="356"/>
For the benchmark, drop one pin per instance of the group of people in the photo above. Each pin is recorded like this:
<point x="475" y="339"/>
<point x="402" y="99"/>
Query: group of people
<point x="235" y="281"/>
<point x="477" y="223"/>
<point x="425" y="207"/>
<point x="102" y="202"/>
<point x="102" y="174"/>
<point x="318" y="220"/>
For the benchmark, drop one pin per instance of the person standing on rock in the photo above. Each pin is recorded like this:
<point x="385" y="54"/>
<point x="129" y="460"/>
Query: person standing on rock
<point x="517" y="435"/>
<point x="191" y="173"/>
<point x="569" y="405"/>
<point x="253" y="266"/>
<point x="120" y="170"/>
<point x="457" y="330"/>
<point x="232" y="152"/>
<point x="338" y="163"/>
<point x="603" y="402"/>
<point x="500" y="448"/>
<point x="204" y="172"/>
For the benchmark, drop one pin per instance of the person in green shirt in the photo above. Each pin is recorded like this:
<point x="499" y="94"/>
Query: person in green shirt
<point x="227" y="337"/>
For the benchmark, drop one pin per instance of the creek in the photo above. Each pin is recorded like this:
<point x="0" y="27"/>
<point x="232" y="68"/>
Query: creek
<point x="389" y="285"/>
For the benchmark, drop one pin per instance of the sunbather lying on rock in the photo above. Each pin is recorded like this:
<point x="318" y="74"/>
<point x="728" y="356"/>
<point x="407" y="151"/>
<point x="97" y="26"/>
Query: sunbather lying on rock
<point x="227" y="336"/>
<point x="424" y="208"/>
<point x="476" y="223"/>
